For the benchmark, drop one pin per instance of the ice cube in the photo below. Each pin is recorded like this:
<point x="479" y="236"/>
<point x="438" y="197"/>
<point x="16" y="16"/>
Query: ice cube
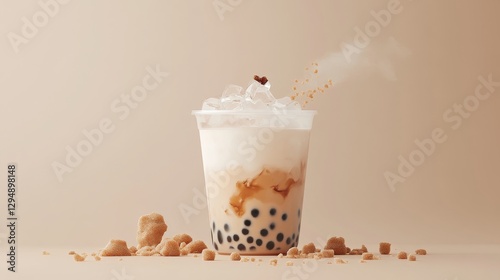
<point x="257" y="92"/>
<point x="282" y="102"/>
<point x="231" y="104"/>
<point x="232" y="93"/>
<point x="251" y="105"/>
<point x="211" y="104"/>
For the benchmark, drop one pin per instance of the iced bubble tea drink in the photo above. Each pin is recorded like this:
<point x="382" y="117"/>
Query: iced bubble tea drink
<point x="254" y="151"/>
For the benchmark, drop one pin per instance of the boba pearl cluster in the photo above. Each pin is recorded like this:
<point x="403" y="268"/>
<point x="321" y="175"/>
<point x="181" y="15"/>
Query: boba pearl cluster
<point x="253" y="236"/>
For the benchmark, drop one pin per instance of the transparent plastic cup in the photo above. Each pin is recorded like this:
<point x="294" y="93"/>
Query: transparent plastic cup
<point x="255" y="167"/>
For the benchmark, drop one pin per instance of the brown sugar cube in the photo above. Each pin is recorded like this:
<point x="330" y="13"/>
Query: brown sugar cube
<point x="292" y="252"/>
<point x="79" y="258"/>
<point x="384" y="248"/>
<point x="184" y="252"/>
<point x="170" y="248"/>
<point x="208" y="255"/>
<point x="367" y="256"/>
<point x="402" y="255"/>
<point x="235" y="256"/>
<point x="97" y="258"/>
<point x="309" y="248"/>
<point x="115" y="247"/>
<point x="145" y="251"/>
<point x="132" y="249"/>
<point x="328" y="253"/>
<point x="412" y="258"/>
<point x="195" y="246"/>
<point x="273" y="262"/>
<point x="71" y="253"/>
<point x="179" y="238"/>
<point x="150" y="230"/>
<point x="421" y="252"/>
<point x="337" y="244"/>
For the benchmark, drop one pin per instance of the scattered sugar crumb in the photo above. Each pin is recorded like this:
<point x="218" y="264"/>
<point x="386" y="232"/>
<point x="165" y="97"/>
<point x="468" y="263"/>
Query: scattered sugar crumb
<point x="79" y="258"/>
<point x="151" y="228"/>
<point x="45" y="253"/>
<point x="170" y="248"/>
<point x="97" y="258"/>
<point x="208" y="255"/>
<point x="71" y="252"/>
<point x="289" y="263"/>
<point x="132" y="249"/>
<point x="309" y="248"/>
<point x="328" y="253"/>
<point x="235" y="256"/>
<point x="384" y="248"/>
<point x="339" y="261"/>
<point x="367" y="256"/>
<point x="402" y="255"/>
<point x="196" y="246"/>
<point x="364" y="249"/>
<point x="273" y="262"/>
<point x="280" y="255"/>
<point x="292" y="252"/>
<point x="421" y="252"/>
<point x="179" y="238"/>
<point x="115" y="247"/>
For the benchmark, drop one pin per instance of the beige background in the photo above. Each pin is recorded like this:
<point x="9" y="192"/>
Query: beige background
<point x="66" y="77"/>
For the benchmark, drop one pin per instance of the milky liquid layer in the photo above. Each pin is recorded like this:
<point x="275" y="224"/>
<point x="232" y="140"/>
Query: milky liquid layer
<point x="254" y="179"/>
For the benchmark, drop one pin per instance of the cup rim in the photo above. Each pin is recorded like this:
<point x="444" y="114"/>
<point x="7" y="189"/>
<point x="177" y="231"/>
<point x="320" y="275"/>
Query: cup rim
<point x="255" y="112"/>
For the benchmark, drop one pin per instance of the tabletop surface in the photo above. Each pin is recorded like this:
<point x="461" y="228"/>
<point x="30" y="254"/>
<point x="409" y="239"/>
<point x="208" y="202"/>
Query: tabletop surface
<point x="445" y="262"/>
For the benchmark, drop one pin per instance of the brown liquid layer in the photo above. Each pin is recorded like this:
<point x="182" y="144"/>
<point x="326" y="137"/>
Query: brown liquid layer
<point x="264" y="187"/>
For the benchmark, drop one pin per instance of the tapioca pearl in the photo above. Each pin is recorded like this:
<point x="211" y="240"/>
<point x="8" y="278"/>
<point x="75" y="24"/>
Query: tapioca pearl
<point x="252" y="248"/>
<point x="215" y="246"/>
<point x="284" y="216"/>
<point x="247" y="223"/>
<point x="272" y="226"/>
<point x="299" y="227"/>
<point x="241" y="247"/>
<point x="278" y="248"/>
<point x="213" y="226"/>
<point x="270" y="245"/>
<point x="245" y="231"/>
<point x="264" y="232"/>
<point x="250" y="239"/>
<point x="288" y="241"/>
<point x="272" y="212"/>
<point x="258" y="242"/>
<point x="255" y="213"/>
<point x="231" y="247"/>
<point x="226" y="227"/>
<point x="280" y="237"/>
<point x="219" y="237"/>
<point x="293" y="244"/>
<point x="236" y="238"/>
<point x="293" y="236"/>
<point x="229" y="239"/>
<point x="298" y="213"/>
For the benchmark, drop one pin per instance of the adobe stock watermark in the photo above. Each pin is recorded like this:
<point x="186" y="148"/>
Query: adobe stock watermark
<point x="121" y="107"/>
<point x="223" y="6"/>
<point x="454" y="116"/>
<point x="373" y="28"/>
<point x="32" y="26"/>
<point x="247" y="149"/>
<point x="122" y="275"/>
